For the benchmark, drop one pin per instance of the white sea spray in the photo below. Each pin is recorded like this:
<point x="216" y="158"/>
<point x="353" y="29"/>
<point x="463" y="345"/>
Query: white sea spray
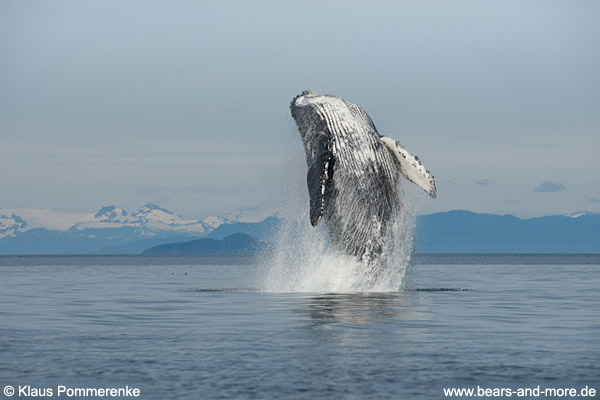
<point x="303" y="260"/>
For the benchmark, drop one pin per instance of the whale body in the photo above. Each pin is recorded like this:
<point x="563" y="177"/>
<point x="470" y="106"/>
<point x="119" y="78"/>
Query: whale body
<point x="353" y="173"/>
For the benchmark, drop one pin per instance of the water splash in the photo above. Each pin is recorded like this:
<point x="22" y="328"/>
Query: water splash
<point x="303" y="260"/>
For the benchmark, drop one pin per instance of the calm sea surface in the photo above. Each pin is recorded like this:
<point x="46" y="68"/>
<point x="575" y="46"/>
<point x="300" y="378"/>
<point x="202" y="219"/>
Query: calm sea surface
<point x="197" y="327"/>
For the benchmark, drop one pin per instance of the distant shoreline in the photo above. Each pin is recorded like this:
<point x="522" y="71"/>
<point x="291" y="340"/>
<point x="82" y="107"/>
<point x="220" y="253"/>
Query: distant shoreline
<point x="418" y="259"/>
<point x="452" y="232"/>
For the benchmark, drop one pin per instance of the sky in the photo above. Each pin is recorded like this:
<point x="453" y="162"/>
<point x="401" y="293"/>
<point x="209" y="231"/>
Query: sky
<point x="186" y="104"/>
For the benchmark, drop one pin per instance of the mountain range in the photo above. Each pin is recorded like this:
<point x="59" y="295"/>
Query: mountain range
<point x="461" y="231"/>
<point x="110" y="230"/>
<point x="113" y="230"/>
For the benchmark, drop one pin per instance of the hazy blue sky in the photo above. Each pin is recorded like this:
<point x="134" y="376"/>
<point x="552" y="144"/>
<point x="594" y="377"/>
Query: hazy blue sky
<point x="186" y="103"/>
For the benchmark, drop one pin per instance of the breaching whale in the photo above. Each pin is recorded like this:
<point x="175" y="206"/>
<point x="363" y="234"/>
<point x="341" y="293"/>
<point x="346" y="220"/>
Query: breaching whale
<point x="353" y="173"/>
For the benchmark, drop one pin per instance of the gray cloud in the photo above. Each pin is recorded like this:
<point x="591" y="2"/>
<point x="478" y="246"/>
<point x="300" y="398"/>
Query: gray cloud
<point x="513" y="202"/>
<point x="484" y="182"/>
<point x="593" y="199"/>
<point x="209" y="190"/>
<point x="148" y="192"/>
<point x="549" y="186"/>
<point x="216" y="190"/>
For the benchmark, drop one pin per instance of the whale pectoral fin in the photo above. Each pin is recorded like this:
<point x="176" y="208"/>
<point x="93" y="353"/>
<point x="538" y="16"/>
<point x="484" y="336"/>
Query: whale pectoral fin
<point x="319" y="174"/>
<point x="411" y="167"/>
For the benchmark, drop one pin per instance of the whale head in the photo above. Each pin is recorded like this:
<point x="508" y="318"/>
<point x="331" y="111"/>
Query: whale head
<point x="304" y="106"/>
<point x="318" y="116"/>
<point x="308" y="113"/>
<point x="308" y="102"/>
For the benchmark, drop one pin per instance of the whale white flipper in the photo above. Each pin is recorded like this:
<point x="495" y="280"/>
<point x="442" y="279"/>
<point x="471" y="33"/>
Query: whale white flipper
<point x="411" y="167"/>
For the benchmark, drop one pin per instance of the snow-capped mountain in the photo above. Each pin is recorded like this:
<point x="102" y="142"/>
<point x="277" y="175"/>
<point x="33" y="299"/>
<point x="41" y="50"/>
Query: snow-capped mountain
<point x="113" y="230"/>
<point x="42" y="218"/>
<point x="110" y="229"/>
<point x="10" y="224"/>
<point x="113" y="214"/>
<point x="155" y="218"/>
<point x="251" y="215"/>
<point x="578" y="214"/>
<point x="150" y="220"/>
<point x="214" y="222"/>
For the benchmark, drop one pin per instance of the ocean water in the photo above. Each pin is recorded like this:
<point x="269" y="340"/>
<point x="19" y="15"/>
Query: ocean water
<point x="200" y="327"/>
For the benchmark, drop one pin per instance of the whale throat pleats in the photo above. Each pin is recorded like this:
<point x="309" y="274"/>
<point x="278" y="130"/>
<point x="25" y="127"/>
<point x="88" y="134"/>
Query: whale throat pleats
<point x="411" y="167"/>
<point x="318" y="178"/>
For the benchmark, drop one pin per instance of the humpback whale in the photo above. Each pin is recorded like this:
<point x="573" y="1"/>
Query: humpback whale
<point x="353" y="173"/>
